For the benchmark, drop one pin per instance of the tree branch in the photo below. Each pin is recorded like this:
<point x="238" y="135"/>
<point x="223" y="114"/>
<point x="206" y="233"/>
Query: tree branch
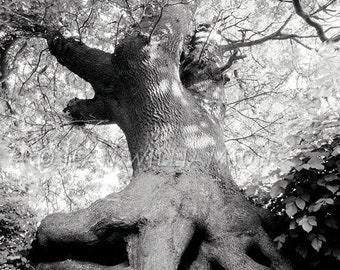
<point x="323" y="7"/>
<point x="91" y="111"/>
<point x="242" y="44"/>
<point x="299" y="11"/>
<point x="234" y="57"/>
<point x="156" y="23"/>
<point x="91" y="64"/>
<point x="33" y="71"/>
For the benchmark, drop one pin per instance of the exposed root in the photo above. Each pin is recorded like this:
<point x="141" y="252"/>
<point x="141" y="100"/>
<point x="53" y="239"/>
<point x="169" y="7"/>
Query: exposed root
<point x="154" y="227"/>
<point x="88" y="226"/>
<point x="161" y="246"/>
<point x="76" y="265"/>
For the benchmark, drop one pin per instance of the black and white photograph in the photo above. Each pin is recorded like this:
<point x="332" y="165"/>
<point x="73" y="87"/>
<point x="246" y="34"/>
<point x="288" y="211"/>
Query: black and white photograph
<point x="169" y="135"/>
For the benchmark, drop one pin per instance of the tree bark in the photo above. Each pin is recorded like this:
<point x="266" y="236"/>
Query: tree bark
<point x="5" y="46"/>
<point x="181" y="210"/>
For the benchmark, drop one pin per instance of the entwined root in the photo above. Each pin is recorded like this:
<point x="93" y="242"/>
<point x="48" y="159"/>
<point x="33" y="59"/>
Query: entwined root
<point x="154" y="228"/>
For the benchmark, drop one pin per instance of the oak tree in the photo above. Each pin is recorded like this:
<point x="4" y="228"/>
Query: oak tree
<point x="182" y="209"/>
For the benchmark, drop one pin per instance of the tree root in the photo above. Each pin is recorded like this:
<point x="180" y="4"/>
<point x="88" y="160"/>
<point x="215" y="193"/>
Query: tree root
<point x="78" y="265"/>
<point x="154" y="219"/>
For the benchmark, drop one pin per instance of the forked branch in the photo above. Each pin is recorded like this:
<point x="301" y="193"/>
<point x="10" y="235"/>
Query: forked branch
<point x="308" y="19"/>
<point x="241" y="44"/>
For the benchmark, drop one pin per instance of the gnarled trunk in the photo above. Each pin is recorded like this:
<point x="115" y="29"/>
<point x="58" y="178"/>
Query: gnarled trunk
<point x="181" y="210"/>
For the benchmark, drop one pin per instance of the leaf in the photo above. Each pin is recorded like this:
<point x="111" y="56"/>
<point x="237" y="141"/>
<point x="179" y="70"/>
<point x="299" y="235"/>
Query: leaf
<point x="4" y="156"/>
<point x="317" y="244"/>
<point x="283" y="183"/>
<point x="307" y="222"/>
<point x="315" y="207"/>
<point x="289" y="177"/>
<point x="300" y="203"/>
<point x="292" y="225"/>
<point x="332" y="222"/>
<point x="293" y="140"/>
<point x="331" y="178"/>
<point x="278" y="188"/>
<point x="312" y="221"/>
<point x="305" y="197"/>
<point x="290" y="199"/>
<point x="13" y="257"/>
<point x="328" y="251"/>
<point x="291" y="209"/>
<point x="314" y="154"/>
<point x="275" y="191"/>
<point x="321" y="182"/>
<point x="333" y="188"/>
<point x="304" y="166"/>
<point x="316" y="163"/>
<point x="325" y="201"/>
<point x="286" y="166"/>
<point x="297" y="161"/>
<point x="274" y="172"/>
<point x="280" y="240"/>
<point x="302" y="251"/>
<point x="311" y="236"/>
<point x="336" y="254"/>
<point x="336" y="151"/>
<point x="307" y="227"/>
<point x="322" y="237"/>
<point x="251" y="190"/>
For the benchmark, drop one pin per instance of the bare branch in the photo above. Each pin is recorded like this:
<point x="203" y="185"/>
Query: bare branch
<point x="250" y="43"/>
<point x="117" y="32"/>
<point x="256" y="133"/>
<point x="323" y="7"/>
<point x="33" y="71"/>
<point x="248" y="98"/>
<point x="156" y="23"/>
<point x="70" y="200"/>
<point x="208" y="37"/>
<point x="302" y="44"/>
<point x="234" y="57"/>
<point x="25" y="23"/>
<point x="299" y="11"/>
<point x="88" y="19"/>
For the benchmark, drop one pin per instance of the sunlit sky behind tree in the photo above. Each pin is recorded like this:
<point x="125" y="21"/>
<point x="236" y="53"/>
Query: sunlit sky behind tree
<point x="282" y="98"/>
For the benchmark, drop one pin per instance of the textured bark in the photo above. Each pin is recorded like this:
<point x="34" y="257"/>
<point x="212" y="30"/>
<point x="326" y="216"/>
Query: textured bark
<point x="181" y="210"/>
<point x="5" y="46"/>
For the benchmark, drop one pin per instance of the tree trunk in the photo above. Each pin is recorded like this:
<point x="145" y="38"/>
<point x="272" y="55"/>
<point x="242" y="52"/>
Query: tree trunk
<point x="5" y="46"/>
<point x="181" y="210"/>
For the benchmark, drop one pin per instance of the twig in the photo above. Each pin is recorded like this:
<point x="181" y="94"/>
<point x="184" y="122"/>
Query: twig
<point x="88" y="18"/>
<point x="248" y="98"/>
<point x="71" y="201"/>
<point x="302" y="44"/>
<point x="117" y="32"/>
<point x="33" y="71"/>
<point x="234" y="57"/>
<point x="156" y="23"/>
<point x="256" y="131"/>
<point x="271" y="36"/>
<point x="208" y="37"/>
<point x="323" y="7"/>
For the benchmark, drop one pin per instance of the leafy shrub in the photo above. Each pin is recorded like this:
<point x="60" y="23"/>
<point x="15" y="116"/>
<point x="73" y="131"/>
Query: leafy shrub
<point x="307" y="200"/>
<point x="17" y="227"/>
